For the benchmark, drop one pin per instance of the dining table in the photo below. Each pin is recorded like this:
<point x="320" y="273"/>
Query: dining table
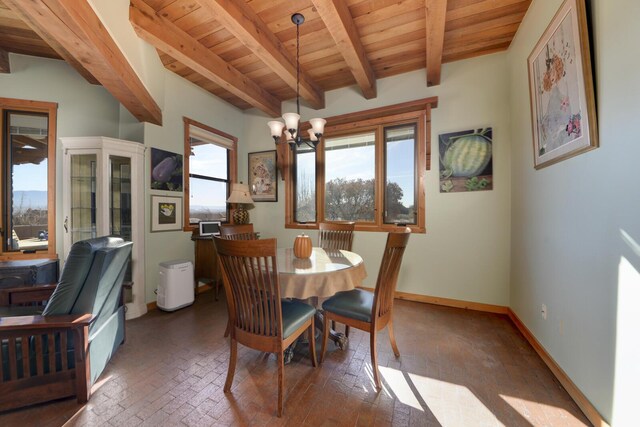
<point x="322" y="275"/>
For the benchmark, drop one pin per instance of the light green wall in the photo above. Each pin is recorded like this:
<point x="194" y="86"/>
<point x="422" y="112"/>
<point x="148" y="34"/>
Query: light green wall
<point x="183" y="99"/>
<point x="576" y="224"/>
<point x="83" y="109"/>
<point x="465" y="253"/>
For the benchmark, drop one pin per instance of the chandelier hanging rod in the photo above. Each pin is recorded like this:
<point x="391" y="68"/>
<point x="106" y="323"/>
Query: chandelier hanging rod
<point x="291" y="125"/>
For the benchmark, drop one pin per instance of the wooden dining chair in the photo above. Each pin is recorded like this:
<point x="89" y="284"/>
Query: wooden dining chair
<point x="370" y="311"/>
<point x="235" y="232"/>
<point x="336" y="236"/>
<point x="260" y="319"/>
<point x="238" y="232"/>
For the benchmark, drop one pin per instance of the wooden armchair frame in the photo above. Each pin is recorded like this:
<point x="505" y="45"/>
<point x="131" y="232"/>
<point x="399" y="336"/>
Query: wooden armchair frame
<point x="22" y="387"/>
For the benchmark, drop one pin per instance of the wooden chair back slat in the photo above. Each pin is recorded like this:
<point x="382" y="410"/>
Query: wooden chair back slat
<point x="336" y="235"/>
<point x="251" y="279"/>
<point x="389" y="269"/>
<point x="231" y="229"/>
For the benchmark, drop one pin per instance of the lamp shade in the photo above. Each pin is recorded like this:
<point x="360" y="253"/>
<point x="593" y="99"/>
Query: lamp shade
<point x="291" y="120"/>
<point x="276" y="128"/>
<point x="240" y="194"/>
<point x="318" y="125"/>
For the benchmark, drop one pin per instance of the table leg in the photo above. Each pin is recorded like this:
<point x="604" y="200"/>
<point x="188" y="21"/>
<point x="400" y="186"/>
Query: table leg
<point x="339" y="339"/>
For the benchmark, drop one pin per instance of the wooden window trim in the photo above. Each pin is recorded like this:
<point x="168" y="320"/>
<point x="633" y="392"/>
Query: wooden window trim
<point x="51" y="109"/>
<point x="232" y="166"/>
<point x="418" y="112"/>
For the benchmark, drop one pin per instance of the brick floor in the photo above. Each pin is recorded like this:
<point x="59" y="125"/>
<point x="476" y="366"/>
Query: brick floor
<point x="457" y="368"/>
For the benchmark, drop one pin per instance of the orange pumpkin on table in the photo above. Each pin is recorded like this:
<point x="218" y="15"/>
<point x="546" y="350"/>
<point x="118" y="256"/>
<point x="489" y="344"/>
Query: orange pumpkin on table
<point x="302" y="246"/>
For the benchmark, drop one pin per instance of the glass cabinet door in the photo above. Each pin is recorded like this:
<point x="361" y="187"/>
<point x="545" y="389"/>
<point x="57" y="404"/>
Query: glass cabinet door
<point x="83" y="197"/>
<point x="120" y="197"/>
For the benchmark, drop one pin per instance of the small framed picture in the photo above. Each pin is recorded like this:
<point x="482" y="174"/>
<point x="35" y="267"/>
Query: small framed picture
<point x="563" y="104"/>
<point x="263" y="181"/>
<point x="166" y="213"/>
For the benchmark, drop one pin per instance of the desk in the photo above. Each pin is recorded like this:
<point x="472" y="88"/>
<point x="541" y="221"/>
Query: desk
<point x="206" y="259"/>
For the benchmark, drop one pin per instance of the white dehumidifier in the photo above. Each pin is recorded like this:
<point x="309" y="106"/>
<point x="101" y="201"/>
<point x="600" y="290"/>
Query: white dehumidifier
<point x="175" y="287"/>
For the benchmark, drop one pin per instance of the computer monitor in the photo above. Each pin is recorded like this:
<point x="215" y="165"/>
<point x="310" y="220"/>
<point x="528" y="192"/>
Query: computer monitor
<point x="209" y="228"/>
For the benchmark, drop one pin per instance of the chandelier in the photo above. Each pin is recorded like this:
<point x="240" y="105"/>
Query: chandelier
<point x="291" y="125"/>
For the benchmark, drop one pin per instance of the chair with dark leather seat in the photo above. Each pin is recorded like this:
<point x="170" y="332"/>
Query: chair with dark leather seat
<point x="259" y="318"/>
<point x="336" y="236"/>
<point x="61" y="351"/>
<point x="370" y="311"/>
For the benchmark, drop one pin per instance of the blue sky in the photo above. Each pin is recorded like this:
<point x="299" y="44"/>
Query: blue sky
<point x="30" y="177"/>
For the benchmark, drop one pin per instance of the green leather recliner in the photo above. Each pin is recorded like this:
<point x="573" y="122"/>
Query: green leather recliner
<point x="73" y="339"/>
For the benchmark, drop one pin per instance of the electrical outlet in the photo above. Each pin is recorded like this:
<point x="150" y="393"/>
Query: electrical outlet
<point x="544" y="311"/>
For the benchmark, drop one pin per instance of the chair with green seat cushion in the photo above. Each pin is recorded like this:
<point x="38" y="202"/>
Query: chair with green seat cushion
<point x="259" y="319"/>
<point x="80" y="328"/>
<point x="370" y="311"/>
<point x="336" y="236"/>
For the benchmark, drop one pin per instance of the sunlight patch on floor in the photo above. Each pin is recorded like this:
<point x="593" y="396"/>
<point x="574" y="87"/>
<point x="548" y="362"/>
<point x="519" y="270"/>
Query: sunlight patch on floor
<point x="438" y="397"/>
<point x="396" y="384"/>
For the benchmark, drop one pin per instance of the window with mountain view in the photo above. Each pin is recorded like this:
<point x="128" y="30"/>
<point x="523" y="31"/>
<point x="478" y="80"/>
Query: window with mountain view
<point x="211" y="166"/>
<point x="369" y="171"/>
<point x="28" y="150"/>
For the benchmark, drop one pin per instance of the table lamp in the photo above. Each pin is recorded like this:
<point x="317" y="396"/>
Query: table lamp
<point x="241" y="196"/>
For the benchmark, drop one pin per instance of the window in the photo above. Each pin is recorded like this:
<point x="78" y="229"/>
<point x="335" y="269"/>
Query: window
<point x="369" y="168"/>
<point x="28" y="178"/>
<point x="211" y="167"/>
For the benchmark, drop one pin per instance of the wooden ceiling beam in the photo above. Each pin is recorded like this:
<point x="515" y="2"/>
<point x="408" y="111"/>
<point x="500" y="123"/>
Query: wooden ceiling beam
<point x="240" y="20"/>
<point x="5" y="67"/>
<point x="74" y="30"/>
<point x="337" y="18"/>
<point x="436" y="13"/>
<point x="167" y="37"/>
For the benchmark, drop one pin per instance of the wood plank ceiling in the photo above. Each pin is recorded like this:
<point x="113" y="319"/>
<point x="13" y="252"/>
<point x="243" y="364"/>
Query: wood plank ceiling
<point x="244" y="51"/>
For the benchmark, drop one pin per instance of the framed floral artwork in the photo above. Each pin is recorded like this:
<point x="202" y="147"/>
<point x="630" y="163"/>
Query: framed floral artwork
<point x="263" y="181"/>
<point x="561" y="87"/>
<point x="166" y="213"/>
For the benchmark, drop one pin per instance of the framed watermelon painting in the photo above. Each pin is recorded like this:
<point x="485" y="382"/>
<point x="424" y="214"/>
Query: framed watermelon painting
<point x="466" y="160"/>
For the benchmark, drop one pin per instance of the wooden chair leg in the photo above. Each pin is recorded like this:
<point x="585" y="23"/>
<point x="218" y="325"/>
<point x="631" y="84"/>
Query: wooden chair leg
<point x="312" y="342"/>
<point x="325" y="336"/>
<point x="374" y="360"/>
<point x="280" y="380"/>
<point x="346" y="330"/>
<point x="232" y="364"/>
<point x="333" y="325"/>
<point x="392" y="337"/>
<point x="228" y="329"/>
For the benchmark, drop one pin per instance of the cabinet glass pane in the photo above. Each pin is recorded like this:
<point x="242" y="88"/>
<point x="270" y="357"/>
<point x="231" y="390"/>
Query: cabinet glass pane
<point x="82" y="223"/>
<point x="120" y="205"/>
<point x="120" y="197"/>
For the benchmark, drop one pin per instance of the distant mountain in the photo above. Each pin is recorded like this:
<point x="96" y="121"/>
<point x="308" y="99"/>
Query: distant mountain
<point x="23" y="200"/>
